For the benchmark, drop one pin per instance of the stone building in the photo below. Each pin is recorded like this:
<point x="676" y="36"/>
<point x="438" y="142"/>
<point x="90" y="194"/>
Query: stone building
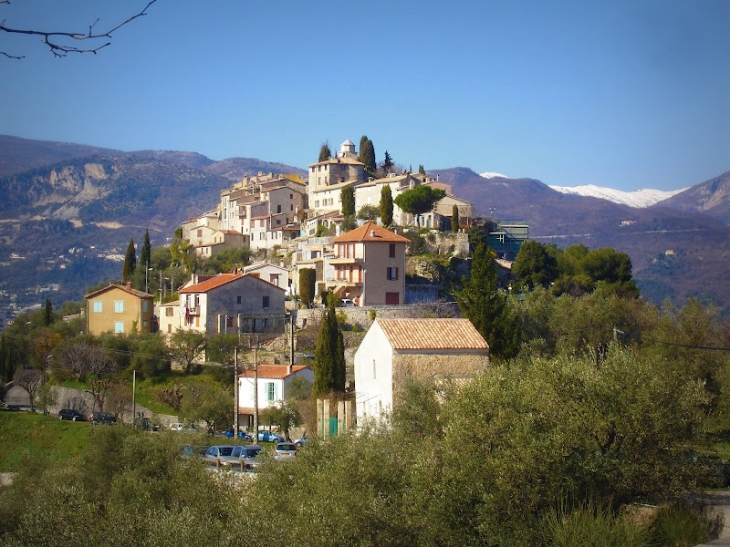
<point x="396" y="350"/>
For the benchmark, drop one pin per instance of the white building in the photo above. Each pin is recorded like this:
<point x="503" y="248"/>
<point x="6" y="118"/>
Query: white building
<point x="396" y="350"/>
<point x="275" y="384"/>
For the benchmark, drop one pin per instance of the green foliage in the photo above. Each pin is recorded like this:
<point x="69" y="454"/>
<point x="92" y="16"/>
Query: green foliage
<point x="130" y="262"/>
<point x="591" y="525"/>
<point x="325" y="153"/>
<point x="455" y="218"/>
<point x="419" y="200"/>
<point x="329" y="357"/>
<point x="535" y="266"/>
<point x="421" y="170"/>
<point x="387" y="164"/>
<point x="307" y="286"/>
<point x="208" y="402"/>
<point x="368" y="212"/>
<point x="386" y="206"/>
<point x="225" y="261"/>
<point x="681" y="525"/>
<point x="417" y="410"/>
<point x="485" y="306"/>
<point x="285" y="415"/>
<point x="48" y="313"/>
<point x="221" y="348"/>
<point x="347" y="197"/>
<point x="349" y="223"/>
<point x="145" y="254"/>
<point x="187" y="346"/>
<point x="367" y="154"/>
<point x="417" y="245"/>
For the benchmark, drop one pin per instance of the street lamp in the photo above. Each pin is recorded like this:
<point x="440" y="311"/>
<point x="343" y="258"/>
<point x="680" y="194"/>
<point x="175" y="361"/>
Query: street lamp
<point x="146" y="278"/>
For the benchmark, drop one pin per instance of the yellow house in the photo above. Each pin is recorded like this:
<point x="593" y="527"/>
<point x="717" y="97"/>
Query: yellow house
<point x="119" y="309"/>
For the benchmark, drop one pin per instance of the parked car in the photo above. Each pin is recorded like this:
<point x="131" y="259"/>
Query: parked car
<point x="102" y="418"/>
<point x="194" y="450"/>
<point x="301" y="441"/>
<point x="268" y="437"/>
<point x="215" y="454"/>
<point x="71" y="414"/>
<point x="243" y="457"/>
<point x="245" y="435"/>
<point x="285" y="451"/>
<point x="183" y="427"/>
<point x="146" y="425"/>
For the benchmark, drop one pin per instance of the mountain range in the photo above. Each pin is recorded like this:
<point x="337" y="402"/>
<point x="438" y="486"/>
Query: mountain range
<point x="70" y="210"/>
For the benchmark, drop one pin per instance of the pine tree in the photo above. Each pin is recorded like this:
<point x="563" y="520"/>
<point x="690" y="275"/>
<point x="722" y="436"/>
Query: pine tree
<point x="387" y="163"/>
<point x="130" y="262"/>
<point x="347" y="197"/>
<point x="329" y="357"/>
<point x="386" y="206"/>
<point x="146" y="253"/>
<point x="325" y="153"/>
<point x="485" y="306"/>
<point x="455" y="218"/>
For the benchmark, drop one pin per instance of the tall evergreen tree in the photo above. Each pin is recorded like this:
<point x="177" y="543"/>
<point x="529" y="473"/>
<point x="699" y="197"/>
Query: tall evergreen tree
<point x="130" y="262"/>
<point x="387" y="163"/>
<point x="48" y="313"/>
<point x="421" y="170"/>
<point x="485" y="305"/>
<point x="367" y="154"/>
<point x="329" y="357"/>
<point x="347" y="197"/>
<point x="325" y="153"/>
<point x="307" y="286"/>
<point x="386" y="206"/>
<point x="146" y="253"/>
<point x="455" y="218"/>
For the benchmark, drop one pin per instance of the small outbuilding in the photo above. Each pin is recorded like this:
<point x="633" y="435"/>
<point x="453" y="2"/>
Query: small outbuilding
<point x="396" y="350"/>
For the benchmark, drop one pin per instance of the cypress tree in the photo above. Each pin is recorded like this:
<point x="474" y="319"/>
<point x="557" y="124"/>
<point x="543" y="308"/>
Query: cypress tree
<point x="329" y="357"/>
<point x="421" y="170"/>
<point x="48" y="313"/>
<point x="387" y="163"/>
<point x="455" y="218"/>
<point x="146" y="253"/>
<point x="307" y="285"/>
<point x="347" y="197"/>
<point x="367" y="154"/>
<point x="386" y="206"/>
<point x="130" y="262"/>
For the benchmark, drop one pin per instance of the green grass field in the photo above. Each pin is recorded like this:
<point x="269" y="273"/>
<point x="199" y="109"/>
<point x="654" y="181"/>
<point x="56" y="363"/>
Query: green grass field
<point x="24" y="434"/>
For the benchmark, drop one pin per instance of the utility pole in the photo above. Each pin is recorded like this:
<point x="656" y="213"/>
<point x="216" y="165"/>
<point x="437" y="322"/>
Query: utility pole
<point x="256" y="392"/>
<point x="291" y="349"/>
<point x="235" y="379"/>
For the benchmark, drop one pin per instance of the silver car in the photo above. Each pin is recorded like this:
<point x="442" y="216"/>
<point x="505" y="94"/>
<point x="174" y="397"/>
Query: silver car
<point x="216" y="454"/>
<point x="285" y="451"/>
<point x="243" y="457"/>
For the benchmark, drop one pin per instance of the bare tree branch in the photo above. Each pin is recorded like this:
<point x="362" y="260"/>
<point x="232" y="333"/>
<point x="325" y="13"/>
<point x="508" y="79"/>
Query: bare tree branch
<point x="54" y="39"/>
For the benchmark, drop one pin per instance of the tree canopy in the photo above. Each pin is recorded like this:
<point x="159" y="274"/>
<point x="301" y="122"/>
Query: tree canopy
<point x="419" y="200"/>
<point x="386" y="206"/>
<point x="329" y="356"/>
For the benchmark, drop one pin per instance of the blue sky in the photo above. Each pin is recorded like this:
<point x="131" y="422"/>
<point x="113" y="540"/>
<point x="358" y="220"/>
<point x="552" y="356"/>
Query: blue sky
<point x="625" y="94"/>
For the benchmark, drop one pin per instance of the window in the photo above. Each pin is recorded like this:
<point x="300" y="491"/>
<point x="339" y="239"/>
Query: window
<point x="97" y="307"/>
<point x="392" y="274"/>
<point x="200" y="233"/>
<point x="169" y="312"/>
<point x="145" y="306"/>
<point x="239" y="299"/>
<point x="266" y="303"/>
<point x="144" y="323"/>
<point x="392" y="250"/>
<point x="229" y="321"/>
<point x="119" y="327"/>
<point x="118" y="306"/>
<point x="278" y="208"/>
<point x="270" y="391"/>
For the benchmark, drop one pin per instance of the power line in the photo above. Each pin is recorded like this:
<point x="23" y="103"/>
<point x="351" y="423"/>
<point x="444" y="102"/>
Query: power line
<point x="655" y="341"/>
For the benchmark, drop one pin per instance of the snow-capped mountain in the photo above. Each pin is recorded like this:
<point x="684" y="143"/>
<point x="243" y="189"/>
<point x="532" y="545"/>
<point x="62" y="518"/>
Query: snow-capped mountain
<point x="488" y="175"/>
<point x="638" y="198"/>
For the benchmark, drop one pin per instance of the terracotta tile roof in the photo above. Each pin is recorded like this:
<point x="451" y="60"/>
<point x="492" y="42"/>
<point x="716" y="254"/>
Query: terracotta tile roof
<point x="370" y="232"/>
<point x="274" y="372"/>
<point x="433" y="334"/>
<point x="128" y="290"/>
<point x="212" y="283"/>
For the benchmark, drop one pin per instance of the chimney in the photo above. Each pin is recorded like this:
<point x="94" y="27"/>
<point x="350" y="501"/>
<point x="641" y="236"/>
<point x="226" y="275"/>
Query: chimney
<point x="288" y="368"/>
<point x="372" y="233"/>
<point x="129" y="284"/>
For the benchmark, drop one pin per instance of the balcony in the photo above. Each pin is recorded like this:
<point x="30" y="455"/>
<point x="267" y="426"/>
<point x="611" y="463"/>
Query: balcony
<point x="193" y="311"/>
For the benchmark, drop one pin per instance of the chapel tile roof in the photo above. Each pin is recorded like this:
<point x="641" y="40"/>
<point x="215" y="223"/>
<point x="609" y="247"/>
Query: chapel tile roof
<point x="432" y="334"/>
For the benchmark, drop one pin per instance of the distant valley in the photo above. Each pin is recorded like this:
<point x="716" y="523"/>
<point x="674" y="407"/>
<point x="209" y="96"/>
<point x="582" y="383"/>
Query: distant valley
<point x="70" y="210"/>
